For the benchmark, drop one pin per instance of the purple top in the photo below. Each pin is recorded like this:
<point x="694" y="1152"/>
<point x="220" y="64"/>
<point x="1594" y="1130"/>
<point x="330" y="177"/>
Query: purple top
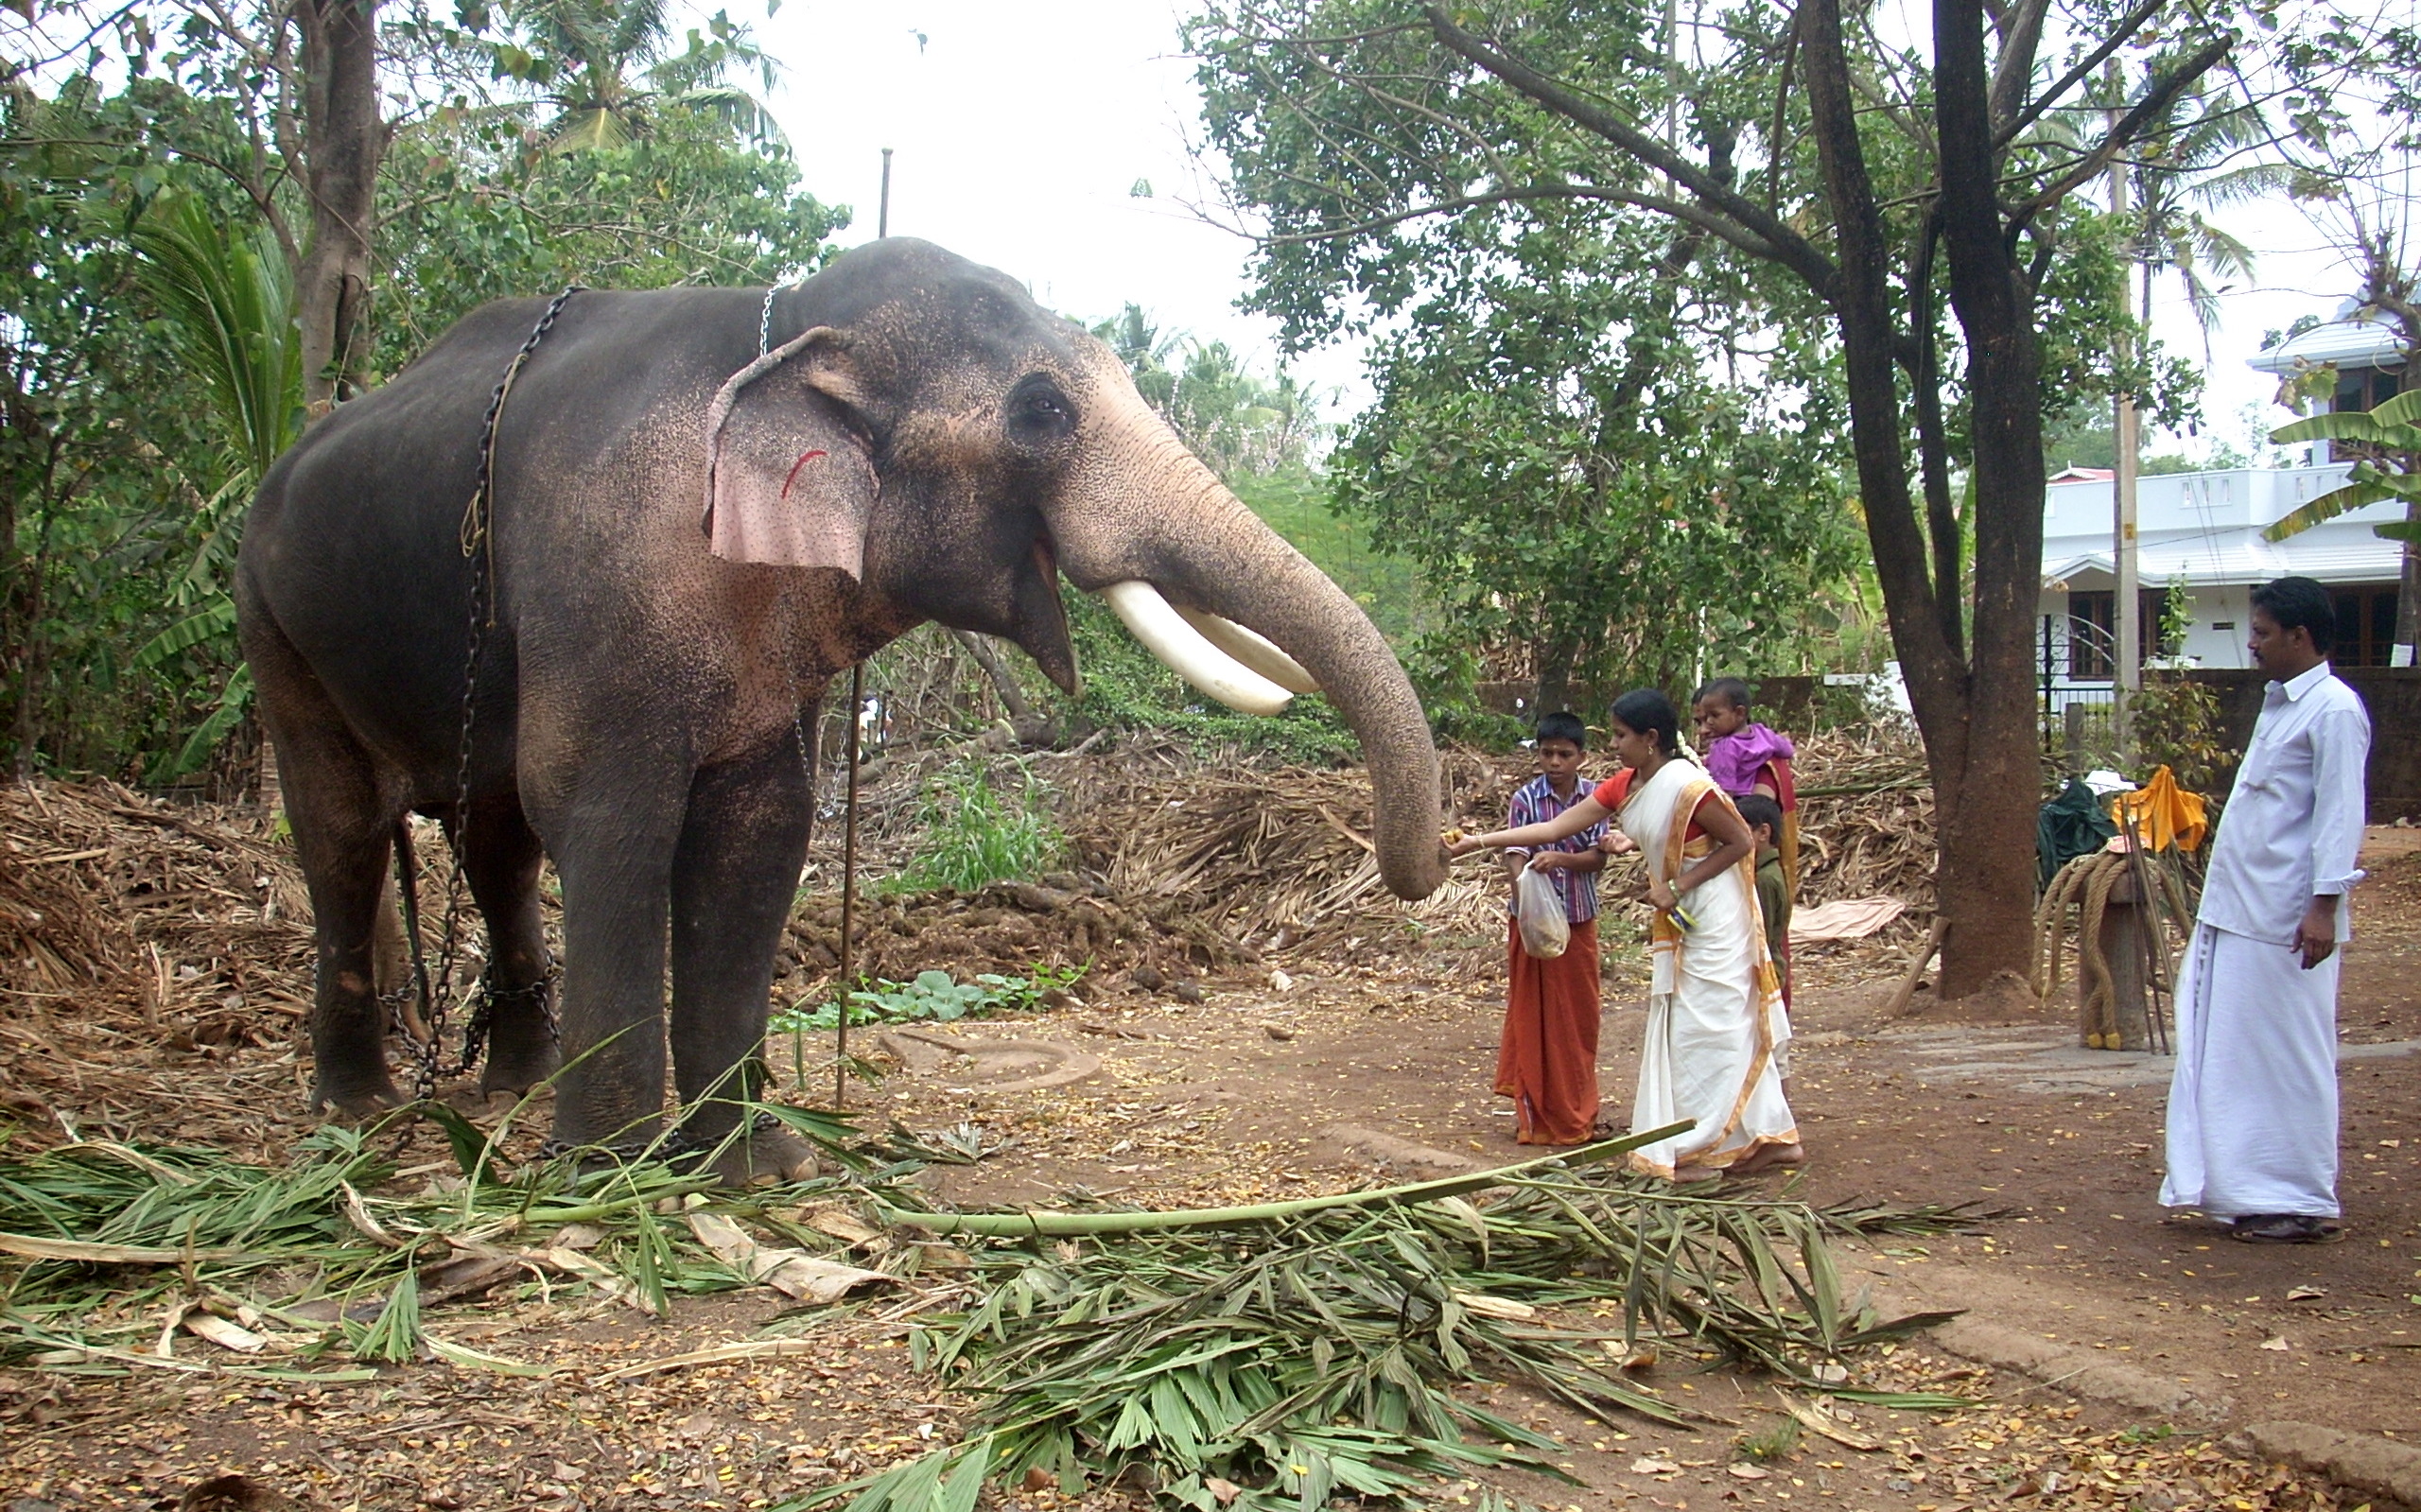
<point x="1732" y="761"/>
<point x="1536" y="803"/>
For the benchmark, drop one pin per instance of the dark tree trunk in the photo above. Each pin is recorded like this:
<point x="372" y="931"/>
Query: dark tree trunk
<point x="1983" y="808"/>
<point x="1986" y="881"/>
<point x="1555" y="658"/>
<point x="345" y="141"/>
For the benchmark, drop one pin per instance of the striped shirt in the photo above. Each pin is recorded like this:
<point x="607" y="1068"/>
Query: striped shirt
<point x="1537" y="803"/>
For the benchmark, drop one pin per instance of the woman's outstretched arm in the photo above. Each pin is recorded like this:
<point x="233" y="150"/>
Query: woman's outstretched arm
<point x="1546" y="832"/>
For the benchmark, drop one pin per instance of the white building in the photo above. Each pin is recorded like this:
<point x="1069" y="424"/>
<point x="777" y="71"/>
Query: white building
<point x="2204" y="531"/>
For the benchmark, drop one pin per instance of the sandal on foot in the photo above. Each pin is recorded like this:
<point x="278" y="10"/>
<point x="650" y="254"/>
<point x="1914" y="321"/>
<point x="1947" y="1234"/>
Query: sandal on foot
<point x="2282" y="1228"/>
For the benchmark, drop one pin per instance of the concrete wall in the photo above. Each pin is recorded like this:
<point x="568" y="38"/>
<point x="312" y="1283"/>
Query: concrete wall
<point x="2392" y="695"/>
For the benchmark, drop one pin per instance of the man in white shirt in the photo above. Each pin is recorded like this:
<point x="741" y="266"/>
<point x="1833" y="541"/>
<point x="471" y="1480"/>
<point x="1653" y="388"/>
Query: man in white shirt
<point x="2253" y="1104"/>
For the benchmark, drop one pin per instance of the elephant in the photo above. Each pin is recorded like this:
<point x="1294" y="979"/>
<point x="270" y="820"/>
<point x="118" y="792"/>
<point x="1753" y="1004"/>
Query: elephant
<point x="704" y="504"/>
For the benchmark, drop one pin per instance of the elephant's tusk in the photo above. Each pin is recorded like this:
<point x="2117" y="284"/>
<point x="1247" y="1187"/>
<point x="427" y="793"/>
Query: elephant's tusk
<point x="1165" y="634"/>
<point x="1252" y="648"/>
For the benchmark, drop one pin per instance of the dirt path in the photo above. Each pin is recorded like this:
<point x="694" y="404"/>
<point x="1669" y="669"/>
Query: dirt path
<point x="1257" y="1092"/>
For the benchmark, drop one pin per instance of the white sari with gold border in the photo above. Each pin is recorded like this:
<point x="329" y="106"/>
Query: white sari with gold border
<point x="1715" y="1025"/>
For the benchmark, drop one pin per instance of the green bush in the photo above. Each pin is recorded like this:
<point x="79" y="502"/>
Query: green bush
<point x="973" y="835"/>
<point x="2177" y="725"/>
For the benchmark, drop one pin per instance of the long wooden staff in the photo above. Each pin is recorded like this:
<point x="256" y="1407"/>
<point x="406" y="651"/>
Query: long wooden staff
<point x="849" y="891"/>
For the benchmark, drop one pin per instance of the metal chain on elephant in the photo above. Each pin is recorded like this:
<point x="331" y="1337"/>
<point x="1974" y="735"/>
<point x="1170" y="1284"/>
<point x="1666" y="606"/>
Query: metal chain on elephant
<point x="478" y="537"/>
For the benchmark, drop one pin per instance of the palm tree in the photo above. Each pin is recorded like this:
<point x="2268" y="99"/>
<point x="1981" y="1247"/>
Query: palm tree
<point x="608" y="75"/>
<point x="2180" y="170"/>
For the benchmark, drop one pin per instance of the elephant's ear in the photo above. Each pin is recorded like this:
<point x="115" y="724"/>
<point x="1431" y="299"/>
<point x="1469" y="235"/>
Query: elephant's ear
<point x="789" y="476"/>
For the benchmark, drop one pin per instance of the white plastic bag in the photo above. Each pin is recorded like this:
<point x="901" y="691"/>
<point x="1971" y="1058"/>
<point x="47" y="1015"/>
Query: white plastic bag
<point x="1539" y="910"/>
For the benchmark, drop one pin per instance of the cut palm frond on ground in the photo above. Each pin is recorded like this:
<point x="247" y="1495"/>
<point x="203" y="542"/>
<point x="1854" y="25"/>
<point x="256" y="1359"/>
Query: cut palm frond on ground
<point x="97" y="1239"/>
<point x="1268" y="1358"/>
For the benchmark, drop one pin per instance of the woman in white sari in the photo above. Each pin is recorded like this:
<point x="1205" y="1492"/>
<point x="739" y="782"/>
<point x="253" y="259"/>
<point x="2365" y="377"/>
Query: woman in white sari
<point x="1715" y="1026"/>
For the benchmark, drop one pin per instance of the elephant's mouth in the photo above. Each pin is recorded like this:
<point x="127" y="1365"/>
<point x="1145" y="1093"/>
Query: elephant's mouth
<point x="1218" y="657"/>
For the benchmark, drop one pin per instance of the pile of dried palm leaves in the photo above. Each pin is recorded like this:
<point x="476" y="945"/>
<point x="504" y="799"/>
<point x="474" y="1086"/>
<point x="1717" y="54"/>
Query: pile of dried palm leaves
<point x="1272" y="1357"/>
<point x="137" y="941"/>
<point x="1272" y="857"/>
<point x="1865" y="819"/>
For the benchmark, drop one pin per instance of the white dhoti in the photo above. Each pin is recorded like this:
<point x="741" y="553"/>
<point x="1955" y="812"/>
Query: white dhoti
<point x="2253" y="1104"/>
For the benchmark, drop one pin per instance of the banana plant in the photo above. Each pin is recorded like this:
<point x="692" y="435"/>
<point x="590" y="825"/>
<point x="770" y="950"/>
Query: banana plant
<point x="2393" y="432"/>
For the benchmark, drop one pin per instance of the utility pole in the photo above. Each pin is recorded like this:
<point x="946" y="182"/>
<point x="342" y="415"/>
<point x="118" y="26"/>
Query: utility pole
<point x="882" y="207"/>
<point x="2127" y="601"/>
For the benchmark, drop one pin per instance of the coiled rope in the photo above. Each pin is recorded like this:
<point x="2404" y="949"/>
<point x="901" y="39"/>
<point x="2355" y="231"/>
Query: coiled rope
<point x="2085" y="886"/>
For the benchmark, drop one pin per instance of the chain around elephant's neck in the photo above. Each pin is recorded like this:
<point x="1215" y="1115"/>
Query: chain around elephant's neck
<point x="765" y="317"/>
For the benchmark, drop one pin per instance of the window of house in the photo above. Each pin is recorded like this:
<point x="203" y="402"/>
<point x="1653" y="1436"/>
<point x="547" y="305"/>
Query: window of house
<point x="2361" y="389"/>
<point x="2092" y="631"/>
<point x="2365" y="624"/>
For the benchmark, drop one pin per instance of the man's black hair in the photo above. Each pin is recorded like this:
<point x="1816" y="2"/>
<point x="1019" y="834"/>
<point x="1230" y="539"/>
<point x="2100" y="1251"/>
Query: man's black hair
<point x="1561" y="726"/>
<point x="1731" y="689"/>
<point x="1756" y="809"/>
<point x="2299" y="604"/>
<point x="1647" y="711"/>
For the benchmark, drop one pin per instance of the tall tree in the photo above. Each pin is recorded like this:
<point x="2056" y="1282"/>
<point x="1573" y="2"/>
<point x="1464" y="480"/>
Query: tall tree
<point x="1875" y="182"/>
<point x="1552" y="431"/>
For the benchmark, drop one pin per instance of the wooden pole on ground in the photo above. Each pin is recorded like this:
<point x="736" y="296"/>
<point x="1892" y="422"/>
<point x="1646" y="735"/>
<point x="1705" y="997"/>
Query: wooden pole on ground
<point x="1917" y="963"/>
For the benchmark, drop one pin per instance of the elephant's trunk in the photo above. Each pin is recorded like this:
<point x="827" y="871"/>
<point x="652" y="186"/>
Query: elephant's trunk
<point x="1153" y="513"/>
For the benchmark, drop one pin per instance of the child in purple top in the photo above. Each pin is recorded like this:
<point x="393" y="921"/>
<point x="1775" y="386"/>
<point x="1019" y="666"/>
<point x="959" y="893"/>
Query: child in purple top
<point x="1739" y="752"/>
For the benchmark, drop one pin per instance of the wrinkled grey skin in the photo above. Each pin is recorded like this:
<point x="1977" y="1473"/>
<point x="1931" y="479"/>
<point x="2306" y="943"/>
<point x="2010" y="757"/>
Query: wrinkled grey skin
<point x="637" y="696"/>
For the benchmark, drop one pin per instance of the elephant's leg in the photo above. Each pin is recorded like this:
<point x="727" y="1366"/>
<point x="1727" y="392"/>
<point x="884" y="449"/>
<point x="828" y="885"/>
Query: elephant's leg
<point x="501" y="860"/>
<point x="611" y="825"/>
<point x="733" y="880"/>
<point x="343" y="837"/>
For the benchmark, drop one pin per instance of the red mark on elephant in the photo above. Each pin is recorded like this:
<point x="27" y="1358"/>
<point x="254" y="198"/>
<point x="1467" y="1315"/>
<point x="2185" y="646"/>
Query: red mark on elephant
<point x="804" y="458"/>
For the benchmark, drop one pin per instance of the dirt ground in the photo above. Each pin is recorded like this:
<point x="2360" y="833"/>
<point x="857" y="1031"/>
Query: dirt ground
<point x="1269" y="1088"/>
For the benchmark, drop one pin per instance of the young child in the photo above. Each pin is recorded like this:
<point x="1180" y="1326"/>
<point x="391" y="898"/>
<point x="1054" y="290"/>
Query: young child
<point x="1763" y="818"/>
<point x="1745" y="757"/>
<point x="1546" y="1061"/>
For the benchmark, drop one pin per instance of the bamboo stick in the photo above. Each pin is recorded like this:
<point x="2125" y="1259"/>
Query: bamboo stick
<point x="1063" y="1225"/>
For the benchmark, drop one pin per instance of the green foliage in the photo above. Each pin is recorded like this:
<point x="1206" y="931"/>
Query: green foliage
<point x="143" y="1228"/>
<point x="2176" y="724"/>
<point x="1236" y="421"/>
<point x="1773" y="1441"/>
<point x="1306" y="1351"/>
<point x="479" y="213"/>
<point x="230" y="306"/>
<point x="969" y="835"/>
<point x="230" y="310"/>
<point x="932" y="996"/>
<point x="1580" y="494"/>
<point x="110" y="500"/>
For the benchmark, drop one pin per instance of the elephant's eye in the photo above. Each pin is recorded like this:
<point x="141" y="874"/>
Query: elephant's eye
<point x="1039" y="413"/>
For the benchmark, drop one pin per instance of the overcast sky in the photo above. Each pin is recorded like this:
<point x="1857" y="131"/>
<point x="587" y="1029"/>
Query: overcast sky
<point x="1023" y="132"/>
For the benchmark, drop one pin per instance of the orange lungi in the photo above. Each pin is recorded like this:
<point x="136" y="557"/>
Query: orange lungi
<point x="1547" y="1061"/>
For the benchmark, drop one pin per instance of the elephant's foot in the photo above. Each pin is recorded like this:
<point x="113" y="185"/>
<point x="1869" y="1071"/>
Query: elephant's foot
<point x="521" y="1044"/>
<point x="482" y="1107"/>
<point x="514" y="1069"/>
<point x="766" y="1155"/>
<point x="356" y="1101"/>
